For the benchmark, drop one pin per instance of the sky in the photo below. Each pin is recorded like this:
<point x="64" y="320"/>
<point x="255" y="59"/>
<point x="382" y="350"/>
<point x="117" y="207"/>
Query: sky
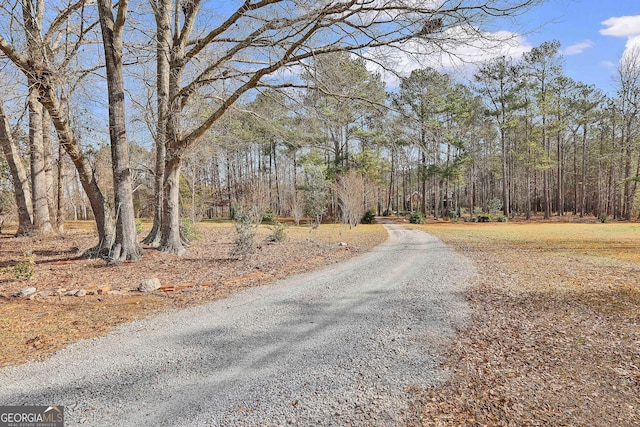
<point x="593" y="33"/>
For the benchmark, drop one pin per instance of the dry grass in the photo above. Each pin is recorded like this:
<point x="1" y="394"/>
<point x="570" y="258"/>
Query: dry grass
<point x="30" y="329"/>
<point x="555" y="338"/>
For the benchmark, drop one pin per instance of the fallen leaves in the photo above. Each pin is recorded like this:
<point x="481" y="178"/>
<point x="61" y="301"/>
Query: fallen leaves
<point x="30" y="329"/>
<point x="555" y="337"/>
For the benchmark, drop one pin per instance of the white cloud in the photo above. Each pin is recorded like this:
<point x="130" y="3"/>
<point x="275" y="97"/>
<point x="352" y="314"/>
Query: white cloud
<point x="578" y="48"/>
<point x="460" y="50"/>
<point x="623" y="26"/>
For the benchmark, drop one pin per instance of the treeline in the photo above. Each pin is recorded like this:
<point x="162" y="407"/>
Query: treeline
<point x="269" y="105"/>
<point x="522" y="139"/>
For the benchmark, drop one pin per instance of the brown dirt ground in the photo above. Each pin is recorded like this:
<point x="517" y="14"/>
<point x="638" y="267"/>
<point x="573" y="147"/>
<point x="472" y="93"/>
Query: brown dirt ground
<point x="34" y="328"/>
<point x="555" y="334"/>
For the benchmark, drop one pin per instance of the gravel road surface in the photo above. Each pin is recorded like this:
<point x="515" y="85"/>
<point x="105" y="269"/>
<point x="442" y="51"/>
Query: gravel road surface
<point x="333" y="347"/>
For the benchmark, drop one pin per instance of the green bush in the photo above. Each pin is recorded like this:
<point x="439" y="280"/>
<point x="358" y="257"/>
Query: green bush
<point x="278" y="232"/>
<point x="369" y="217"/>
<point x="269" y="216"/>
<point x="484" y="218"/>
<point x="23" y="269"/>
<point x="139" y="226"/>
<point x="502" y="218"/>
<point x="245" y="225"/>
<point x="417" y="218"/>
<point x="494" y="206"/>
<point x="603" y="218"/>
<point x="189" y="231"/>
<point x="453" y="215"/>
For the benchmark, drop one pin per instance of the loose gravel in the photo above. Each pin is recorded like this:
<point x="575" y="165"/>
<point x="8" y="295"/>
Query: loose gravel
<point x="335" y="347"/>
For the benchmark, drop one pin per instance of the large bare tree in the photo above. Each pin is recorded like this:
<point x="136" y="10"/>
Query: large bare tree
<point x="125" y="245"/>
<point x="258" y="42"/>
<point x="44" y="77"/>
<point x="22" y="191"/>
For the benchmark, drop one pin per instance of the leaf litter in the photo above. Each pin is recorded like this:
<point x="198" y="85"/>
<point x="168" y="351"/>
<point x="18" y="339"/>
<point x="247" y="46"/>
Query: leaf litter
<point x="34" y="327"/>
<point x="555" y="332"/>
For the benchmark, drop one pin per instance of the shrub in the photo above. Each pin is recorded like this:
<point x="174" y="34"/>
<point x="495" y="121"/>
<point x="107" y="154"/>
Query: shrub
<point x="369" y="217"/>
<point x="23" y="269"/>
<point x="485" y="218"/>
<point x="502" y="218"/>
<point x="494" y="206"/>
<point x="139" y="226"/>
<point x="603" y="218"/>
<point x="453" y="215"/>
<point x="416" y="218"/>
<point x="269" y="216"/>
<point x="189" y="231"/>
<point x="245" y="225"/>
<point x="278" y="232"/>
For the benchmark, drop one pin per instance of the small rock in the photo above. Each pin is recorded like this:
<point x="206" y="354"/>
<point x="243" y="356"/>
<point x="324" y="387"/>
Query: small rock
<point x="104" y="289"/>
<point x="149" y="285"/>
<point x="342" y="244"/>
<point x="81" y="293"/>
<point x="71" y="293"/>
<point x="26" y="292"/>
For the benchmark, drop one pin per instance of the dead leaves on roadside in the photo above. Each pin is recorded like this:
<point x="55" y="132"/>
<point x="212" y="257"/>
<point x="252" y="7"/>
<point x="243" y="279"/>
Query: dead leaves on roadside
<point x="555" y="340"/>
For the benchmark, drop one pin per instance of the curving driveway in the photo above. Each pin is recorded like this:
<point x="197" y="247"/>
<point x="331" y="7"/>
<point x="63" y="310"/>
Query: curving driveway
<point x="334" y="347"/>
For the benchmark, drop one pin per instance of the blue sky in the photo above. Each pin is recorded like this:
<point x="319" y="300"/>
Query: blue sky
<point x="592" y="41"/>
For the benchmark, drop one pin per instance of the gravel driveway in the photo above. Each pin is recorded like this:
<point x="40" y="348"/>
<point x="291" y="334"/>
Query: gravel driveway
<point x="334" y="347"/>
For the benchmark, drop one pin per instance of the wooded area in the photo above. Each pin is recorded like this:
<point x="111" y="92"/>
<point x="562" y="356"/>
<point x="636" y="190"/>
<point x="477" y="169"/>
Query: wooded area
<point x="273" y="106"/>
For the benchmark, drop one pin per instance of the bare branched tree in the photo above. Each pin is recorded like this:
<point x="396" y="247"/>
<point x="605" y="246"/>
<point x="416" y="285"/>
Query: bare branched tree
<point x="352" y="189"/>
<point x="262" y="42"/>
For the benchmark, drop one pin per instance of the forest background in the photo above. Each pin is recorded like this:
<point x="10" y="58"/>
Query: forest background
<point x="279" y="108"/>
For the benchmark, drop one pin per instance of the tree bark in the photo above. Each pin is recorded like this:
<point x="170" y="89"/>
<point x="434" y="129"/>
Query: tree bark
<point x="39" y="194"/>
<point x="60" y="191"/>
<point x="40" y="76"/>
<point x="33" y="15"/>
<point x="22" y="191"/>
<point x="47" y="145"/>
<point x="162" y="12"/>
<point x="125" y="246"/>
<point x="171" y="240"/>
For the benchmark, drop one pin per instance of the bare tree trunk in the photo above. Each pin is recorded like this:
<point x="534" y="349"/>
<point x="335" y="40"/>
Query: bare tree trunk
<point x="505" y="190"/>
<point x="39" y="194"/>
<point x="560" y="177"/>
<point x="171" y="240"/>
<point x="22" y="191"/>
<point x="35" y="68"/>
<point x="162" y="13"/>
<point x="101" y="212"/>
<point x="33" y="15"/>
<point x="583" y="190"/>
<point x="48" y="162"/>
<point x="60" y="190"/>
<point x="126" y="245"/>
